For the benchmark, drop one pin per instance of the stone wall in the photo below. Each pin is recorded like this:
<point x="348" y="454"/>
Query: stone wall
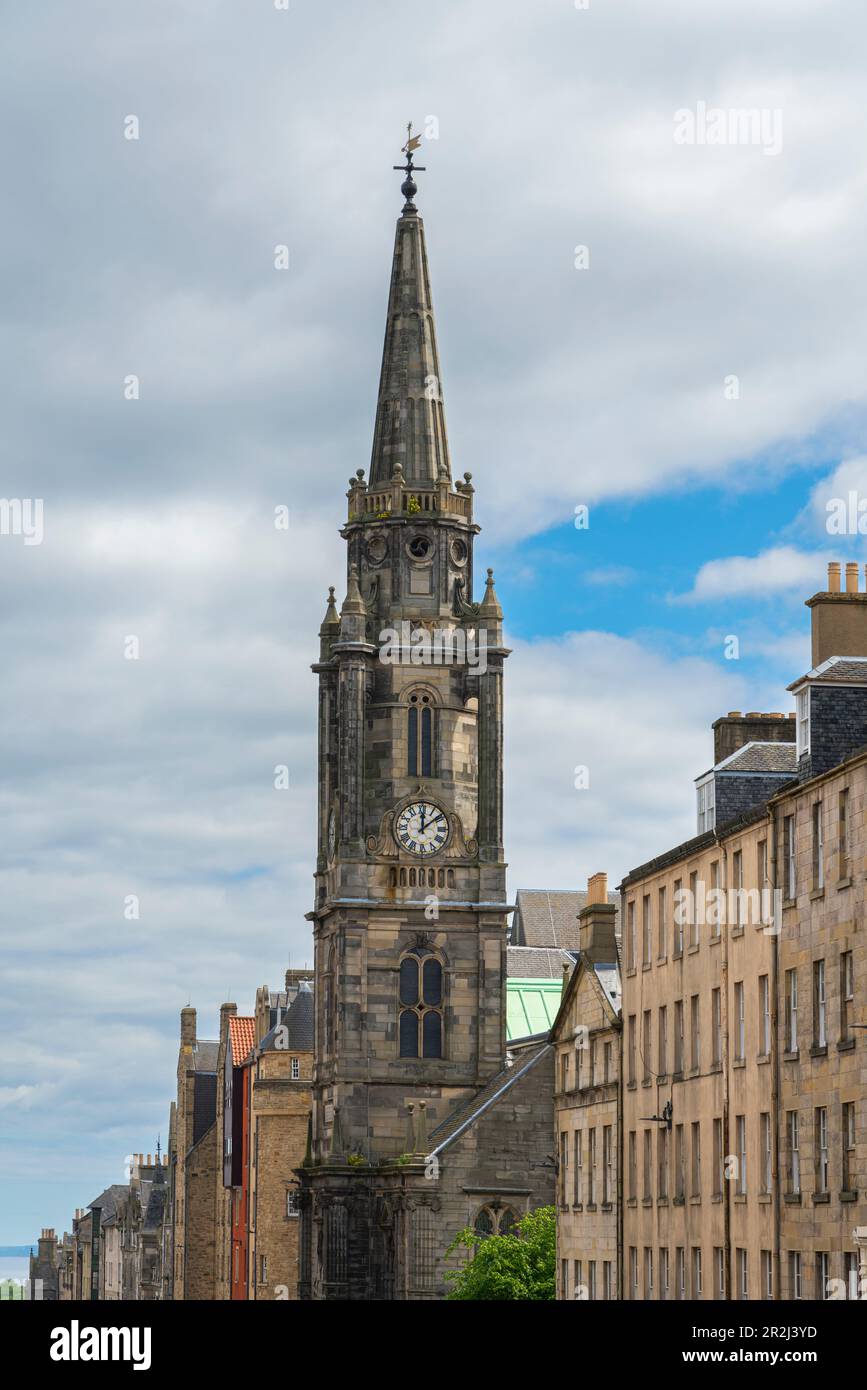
<point x="202" y="1166"/>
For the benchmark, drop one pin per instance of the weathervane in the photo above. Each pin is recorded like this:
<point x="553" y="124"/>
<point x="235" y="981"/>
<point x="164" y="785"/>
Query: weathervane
<point x="409" y="188"/>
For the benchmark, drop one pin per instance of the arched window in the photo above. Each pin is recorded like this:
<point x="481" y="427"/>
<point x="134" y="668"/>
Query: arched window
<point x="508" y="1222"/>
<point x="421" y="1004"/>
<point x="495" y="1220"/>
<point x="484" y="1223"/>
<point x="420" y="736"/>
<point x="329" y="998"/>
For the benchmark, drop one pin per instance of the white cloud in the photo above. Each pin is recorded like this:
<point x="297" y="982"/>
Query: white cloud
<point x="561" y="386"/>
<point x="841" y="497"/>
<point x="774" y="571"/>
<point x="638" y="719"/>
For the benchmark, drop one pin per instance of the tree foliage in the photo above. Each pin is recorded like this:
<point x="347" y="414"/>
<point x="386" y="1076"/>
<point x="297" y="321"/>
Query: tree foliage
<point x="519" y="1266"/>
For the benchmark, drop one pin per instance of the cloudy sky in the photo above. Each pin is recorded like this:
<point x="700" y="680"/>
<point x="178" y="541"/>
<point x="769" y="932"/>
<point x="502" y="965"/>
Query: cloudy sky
<point x="671" y="334"/>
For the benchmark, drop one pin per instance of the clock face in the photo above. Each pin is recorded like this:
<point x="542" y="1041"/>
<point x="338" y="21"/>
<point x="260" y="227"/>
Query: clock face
<point x="422" y="828"/>
<point x="332" y="835"/>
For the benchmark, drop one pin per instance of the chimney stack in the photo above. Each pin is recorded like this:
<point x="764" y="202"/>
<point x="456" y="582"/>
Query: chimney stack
<point x="597" y="889"/>
<point x="733" y="730"/>
<point x="188" y="1028"/>
<point x="596" y="923"/>
<point x="227" y="1011"/>
<point x="839" y="620"/>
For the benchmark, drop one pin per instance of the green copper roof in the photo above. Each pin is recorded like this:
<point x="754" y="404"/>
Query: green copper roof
<point x="531" y="1006"/>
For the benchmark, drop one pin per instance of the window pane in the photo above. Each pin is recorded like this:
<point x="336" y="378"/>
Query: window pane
<point x="409" y="981"/>
<point x="413" y="741"/>
<point x="433" y="981"/>
<point x="408" y="1033"/>
<point x="507" y="1222"/>
<point x="484" y="1225"/>
<point x="432" y="1029"/>
<point x="426" y="718"/>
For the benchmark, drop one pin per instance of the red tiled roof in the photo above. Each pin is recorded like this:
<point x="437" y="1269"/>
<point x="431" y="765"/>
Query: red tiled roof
<point x="242" y="1036"/>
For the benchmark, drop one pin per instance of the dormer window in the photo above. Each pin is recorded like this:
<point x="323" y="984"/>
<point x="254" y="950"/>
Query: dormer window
<point x="803" y="721"/>
<point x="705" y="804"/>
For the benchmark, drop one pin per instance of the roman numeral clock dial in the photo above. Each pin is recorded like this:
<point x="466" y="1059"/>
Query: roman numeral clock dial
<point x="422" y="828"/>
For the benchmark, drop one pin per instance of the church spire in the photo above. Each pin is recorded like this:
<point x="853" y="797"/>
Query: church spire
<point x="410" y="422"/>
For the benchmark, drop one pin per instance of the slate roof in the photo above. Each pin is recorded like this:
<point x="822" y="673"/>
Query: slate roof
<point x="466" y="1113"/>
<point x="549" y="917"/>
<point x="242" y="1036"/>
<point x="204" y="1104"/>
<point x="204" y="1056"/>
<point x="779" y="758"/>
<point x="845" y="670"/>
<point x="297" y="1022"/>
<point x="107" y="1201"/>
<point x="537" y="962"/>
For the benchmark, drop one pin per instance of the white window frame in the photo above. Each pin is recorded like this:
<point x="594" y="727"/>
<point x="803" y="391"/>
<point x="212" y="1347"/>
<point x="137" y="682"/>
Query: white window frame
<point x="792" y="1011"/>
<point x="740" y="1022"/>
<point x="802" y="722"/>
<point x="791" y="864"/>
<point x="765" y="1015"/>
<point x="767" y="1153"/>
<point x="741" y="1131"/>
<point x="823" y="1269"/>
<point x="821" y="1003"/>
<point x="818" y="848"/>
<point x="793" y="1131"/>
<point x="705" y="795"/>
<point x="823" y="1167"/>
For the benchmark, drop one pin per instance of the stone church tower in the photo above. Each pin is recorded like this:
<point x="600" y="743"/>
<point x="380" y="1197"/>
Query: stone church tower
<point x="410" y="914"/>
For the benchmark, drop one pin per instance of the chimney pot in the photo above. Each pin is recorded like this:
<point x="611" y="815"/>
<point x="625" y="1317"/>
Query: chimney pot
<point x="834" y="577"/>
<point x="852" y="576"/>
<point x="597" y="889"/>
<point x="734" y="714"/>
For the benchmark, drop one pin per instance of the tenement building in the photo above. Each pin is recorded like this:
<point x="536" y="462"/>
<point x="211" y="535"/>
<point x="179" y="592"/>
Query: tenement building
<point x="744" y="986"/>
<point x="422" y="1124"/>
<point x="586" y="1037"/>
<point x="281" y="1071"/>
<point x="193" y="1165"/>
<point x="819" y="830"/>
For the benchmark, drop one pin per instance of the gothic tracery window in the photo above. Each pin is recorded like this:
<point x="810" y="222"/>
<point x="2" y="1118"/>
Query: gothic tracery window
<point x="495" y="1221"/>
<point x="421" y="1004"/>
<point x="420" y="719"/>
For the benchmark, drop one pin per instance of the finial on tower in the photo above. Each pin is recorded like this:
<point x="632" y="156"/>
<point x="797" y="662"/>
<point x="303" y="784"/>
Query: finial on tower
<point x="331" y="618"/>
<point x="409" y="187"/>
